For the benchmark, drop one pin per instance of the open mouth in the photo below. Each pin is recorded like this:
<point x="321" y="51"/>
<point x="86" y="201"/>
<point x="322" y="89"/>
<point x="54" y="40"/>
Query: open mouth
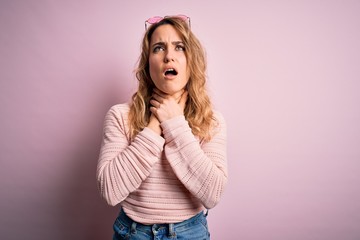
<point x="171" y="72"/>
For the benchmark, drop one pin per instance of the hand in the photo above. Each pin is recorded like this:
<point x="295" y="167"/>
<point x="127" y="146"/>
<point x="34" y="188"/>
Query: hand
<point x="165" y="106"/>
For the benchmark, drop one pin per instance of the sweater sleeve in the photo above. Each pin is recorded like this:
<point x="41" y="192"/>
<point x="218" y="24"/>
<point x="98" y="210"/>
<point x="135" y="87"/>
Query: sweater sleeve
<point x="124" y="165"/>
<point x="202" y="168"/>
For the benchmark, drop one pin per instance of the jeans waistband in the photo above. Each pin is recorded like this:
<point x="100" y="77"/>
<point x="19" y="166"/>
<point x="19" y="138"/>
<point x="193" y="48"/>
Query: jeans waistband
<point x="171" y="226"/>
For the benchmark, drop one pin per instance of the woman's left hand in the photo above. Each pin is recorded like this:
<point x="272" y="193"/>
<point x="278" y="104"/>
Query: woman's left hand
<point x="165" y="106"/>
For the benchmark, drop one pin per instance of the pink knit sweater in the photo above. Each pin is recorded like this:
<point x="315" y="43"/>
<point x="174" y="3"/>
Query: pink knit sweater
<point x="160" y="179"/>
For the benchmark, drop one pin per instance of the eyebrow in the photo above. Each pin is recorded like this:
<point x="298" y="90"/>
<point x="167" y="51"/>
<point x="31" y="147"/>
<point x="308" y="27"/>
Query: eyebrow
<point x="164" y="44"/>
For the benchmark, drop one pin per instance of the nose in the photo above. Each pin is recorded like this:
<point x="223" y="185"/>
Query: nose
<point x="169" y="56"/>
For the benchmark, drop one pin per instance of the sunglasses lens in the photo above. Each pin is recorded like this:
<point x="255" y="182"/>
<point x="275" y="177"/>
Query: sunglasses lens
<point x="157" y="19"/>
<point x="182" y="17"/>
<point x="154" y="20"/>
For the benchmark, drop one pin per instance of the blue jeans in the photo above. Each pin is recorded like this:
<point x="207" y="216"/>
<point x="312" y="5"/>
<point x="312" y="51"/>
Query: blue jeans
<point x="193" y="228"/>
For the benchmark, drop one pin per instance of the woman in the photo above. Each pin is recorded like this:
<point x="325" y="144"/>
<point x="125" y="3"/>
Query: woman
<point x="163" y="156"/>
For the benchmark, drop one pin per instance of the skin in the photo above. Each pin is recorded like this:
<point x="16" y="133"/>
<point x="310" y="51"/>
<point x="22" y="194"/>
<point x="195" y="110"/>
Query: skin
<point x="169" y="97"/>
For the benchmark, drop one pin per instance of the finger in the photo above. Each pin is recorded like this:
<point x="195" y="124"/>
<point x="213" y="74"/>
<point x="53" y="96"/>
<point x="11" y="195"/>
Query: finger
<point x="155" y="103"/>
<point x="153" y="111"/>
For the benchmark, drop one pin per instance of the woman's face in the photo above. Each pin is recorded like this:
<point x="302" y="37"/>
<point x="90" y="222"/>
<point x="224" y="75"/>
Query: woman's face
<point x="167" y="60"/>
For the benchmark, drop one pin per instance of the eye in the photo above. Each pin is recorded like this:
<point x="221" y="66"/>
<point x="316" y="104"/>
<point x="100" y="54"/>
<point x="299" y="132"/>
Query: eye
<point x="158" y="49"/>
<point x="180" y="48"/>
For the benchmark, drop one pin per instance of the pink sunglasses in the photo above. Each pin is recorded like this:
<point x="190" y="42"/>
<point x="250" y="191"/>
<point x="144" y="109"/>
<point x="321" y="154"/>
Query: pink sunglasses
<point x="157" y="19"/>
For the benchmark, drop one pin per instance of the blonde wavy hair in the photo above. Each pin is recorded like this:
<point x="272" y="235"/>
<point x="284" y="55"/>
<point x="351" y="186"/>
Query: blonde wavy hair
<point x="198" y="111"/>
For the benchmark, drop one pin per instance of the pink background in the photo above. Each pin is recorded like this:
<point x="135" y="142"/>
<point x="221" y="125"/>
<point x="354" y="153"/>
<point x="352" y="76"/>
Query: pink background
<point x="285" y="74"/>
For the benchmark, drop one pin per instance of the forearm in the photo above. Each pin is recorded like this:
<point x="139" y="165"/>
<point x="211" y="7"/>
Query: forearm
<point x="201" y="168"/>
<point x="123" y="166"/>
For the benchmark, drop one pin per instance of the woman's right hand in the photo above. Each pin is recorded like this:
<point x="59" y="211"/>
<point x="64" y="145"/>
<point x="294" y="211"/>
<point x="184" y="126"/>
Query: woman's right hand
<point x="165" y="106"/>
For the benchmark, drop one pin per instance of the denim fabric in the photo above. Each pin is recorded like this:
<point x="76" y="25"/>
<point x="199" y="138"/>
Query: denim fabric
<point x="194" y="228"/>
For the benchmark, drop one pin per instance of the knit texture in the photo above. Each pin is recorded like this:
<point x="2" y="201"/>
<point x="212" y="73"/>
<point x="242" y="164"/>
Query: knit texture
<point x="160" y="179"/>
